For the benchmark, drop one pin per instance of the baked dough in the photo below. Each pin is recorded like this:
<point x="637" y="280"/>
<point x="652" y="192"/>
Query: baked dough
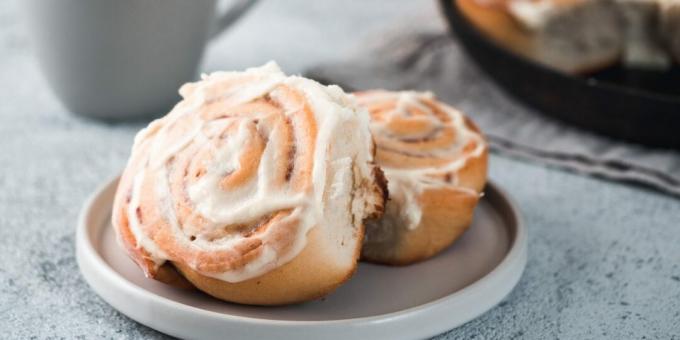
<point x="435" y="162"/>
<point x="254" y="188"/>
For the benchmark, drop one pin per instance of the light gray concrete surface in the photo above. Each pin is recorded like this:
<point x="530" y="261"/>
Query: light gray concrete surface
<point x="604" y="258"/>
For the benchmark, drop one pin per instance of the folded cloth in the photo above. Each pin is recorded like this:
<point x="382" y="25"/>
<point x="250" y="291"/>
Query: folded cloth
<point x="432" y="60"/>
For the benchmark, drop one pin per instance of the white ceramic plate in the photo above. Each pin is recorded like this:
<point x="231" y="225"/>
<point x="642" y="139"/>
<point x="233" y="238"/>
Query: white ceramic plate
<point x="379" y="302"/>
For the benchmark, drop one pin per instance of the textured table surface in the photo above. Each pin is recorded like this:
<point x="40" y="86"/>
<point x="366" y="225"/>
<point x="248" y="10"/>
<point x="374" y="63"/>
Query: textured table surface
<point x="604" y="258"/>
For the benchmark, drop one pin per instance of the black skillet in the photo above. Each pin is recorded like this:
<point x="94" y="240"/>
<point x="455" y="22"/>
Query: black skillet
<point x="637" y="106"/>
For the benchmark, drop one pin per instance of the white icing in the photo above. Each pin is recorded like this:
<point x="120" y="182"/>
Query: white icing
<point x="258" y="197"/>
<point x="532" y="14"/>
<point x="406" y="185"/>
<point x="143" y="241"/>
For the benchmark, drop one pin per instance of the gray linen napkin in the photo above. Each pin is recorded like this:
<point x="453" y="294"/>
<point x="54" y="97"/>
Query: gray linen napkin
<point x="430" y="59"/>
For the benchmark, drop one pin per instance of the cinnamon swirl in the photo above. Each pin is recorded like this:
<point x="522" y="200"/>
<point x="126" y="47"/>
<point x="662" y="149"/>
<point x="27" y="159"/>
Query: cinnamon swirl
<point x="435" y="161"/>
<point x="254" y="188"/>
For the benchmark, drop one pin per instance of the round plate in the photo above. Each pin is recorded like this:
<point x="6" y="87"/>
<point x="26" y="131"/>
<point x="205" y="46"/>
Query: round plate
<point x="379" y="302"/>
<point x="634" y="105"/>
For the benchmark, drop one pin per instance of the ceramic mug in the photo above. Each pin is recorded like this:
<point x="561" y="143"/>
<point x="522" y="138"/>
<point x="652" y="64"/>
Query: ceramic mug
<point x="123" y="58"/>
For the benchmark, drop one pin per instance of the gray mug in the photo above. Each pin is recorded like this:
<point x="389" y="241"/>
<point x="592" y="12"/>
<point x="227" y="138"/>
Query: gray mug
<point x="123" y="58"/>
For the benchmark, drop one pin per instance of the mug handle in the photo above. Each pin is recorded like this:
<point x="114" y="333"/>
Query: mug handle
<point x="230" y="16"/>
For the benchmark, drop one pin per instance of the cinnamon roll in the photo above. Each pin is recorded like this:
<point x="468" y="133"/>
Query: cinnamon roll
<point x="254" y="188"/>
<point x="435" y="161"/>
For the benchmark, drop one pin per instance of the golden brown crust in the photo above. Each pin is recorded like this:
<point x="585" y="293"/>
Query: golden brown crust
<point x="169" y="275"/>
<point x="309" y="276"/>
<point x="447" y="214"/>
<point x="450" y="193"/>
<point x="228" y="194"/>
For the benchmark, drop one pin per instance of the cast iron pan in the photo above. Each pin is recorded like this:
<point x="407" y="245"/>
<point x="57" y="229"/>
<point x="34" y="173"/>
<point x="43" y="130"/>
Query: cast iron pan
<point x="636" y="106"/>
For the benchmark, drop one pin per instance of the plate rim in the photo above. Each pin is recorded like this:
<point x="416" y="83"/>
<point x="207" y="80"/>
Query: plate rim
<point x="90" y="262"/>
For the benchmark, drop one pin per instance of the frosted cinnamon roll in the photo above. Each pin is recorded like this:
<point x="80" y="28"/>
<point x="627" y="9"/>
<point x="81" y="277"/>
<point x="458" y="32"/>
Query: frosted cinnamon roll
<point x="435" y="160"/>
<point x="254" y="188"/>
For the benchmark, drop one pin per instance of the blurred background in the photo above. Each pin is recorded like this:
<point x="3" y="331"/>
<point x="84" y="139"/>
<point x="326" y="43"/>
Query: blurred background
<point x="591" y="157"/>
